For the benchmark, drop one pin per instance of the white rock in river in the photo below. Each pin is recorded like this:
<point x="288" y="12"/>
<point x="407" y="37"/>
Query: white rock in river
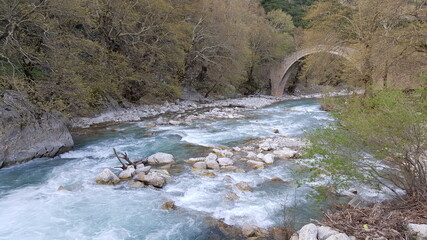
<point x="212" y="164"/>
<point x="225" y="162"/>
<point x="251" y="155"/>
<point x="244" y="186"/>
<point x="199" y="165"/>
<point x="256" y="164"/>
<point x="194" y="160"/>
<point x="142" y="169"/>
<point x="160" y="158"/>
<point x="268" y="158"/>
<point x="260" y="155"/>
<point x="223" y="153"/>
<point x="153" y="178"/>
<point x="420" y="230"/>
<point x="285" y="153"/>
<point x="107" y="177"/>
<point x="324" y="232"/>
<point x="128" y="173"/>
<point x="211" y="157"/>
<point x="308" y="232"/>
<point x="339" y="236"/>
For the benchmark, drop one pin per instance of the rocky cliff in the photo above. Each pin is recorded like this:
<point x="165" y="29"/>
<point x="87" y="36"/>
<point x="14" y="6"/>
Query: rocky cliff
<point x="26" y="135"/>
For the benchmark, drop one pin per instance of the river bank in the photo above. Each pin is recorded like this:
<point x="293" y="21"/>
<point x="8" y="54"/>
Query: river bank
<point x="137" y="113"/>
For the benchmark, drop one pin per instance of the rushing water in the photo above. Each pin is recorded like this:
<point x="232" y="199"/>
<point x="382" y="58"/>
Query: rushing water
<point x="31" y="207"/>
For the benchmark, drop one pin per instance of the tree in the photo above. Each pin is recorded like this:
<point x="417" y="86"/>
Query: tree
<point x="380" y="31"/>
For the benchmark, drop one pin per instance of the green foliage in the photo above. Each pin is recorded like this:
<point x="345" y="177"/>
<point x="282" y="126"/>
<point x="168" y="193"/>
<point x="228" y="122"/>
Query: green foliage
<point x="295" y="8"/>
<point x="391" y="126"/>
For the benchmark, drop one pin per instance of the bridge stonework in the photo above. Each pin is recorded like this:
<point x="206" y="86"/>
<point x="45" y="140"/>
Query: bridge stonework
<point x="281" y="73"/>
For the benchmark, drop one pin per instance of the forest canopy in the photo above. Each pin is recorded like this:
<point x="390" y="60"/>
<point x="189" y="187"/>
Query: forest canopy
<point x="75" y="56"/>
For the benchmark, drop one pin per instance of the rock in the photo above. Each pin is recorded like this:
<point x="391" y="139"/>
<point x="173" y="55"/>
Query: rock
<point x="223" y="153"/>
<point x="276" y="131"/>
<point x="160" y="158"/>
<point x="248" y="148"/>
<point x="295" y="236"/>
<point x="229" y="168"/>
<point x="160" y="121"/>
<point x="244" y="186"/>
<point x="211" y="157"/>
<point x="128" y="173"/>
<point x="107" y="177"/>
<point x="162" y="172"/>
<point x="225" y="162"/>
<point x="209" y="174"/>
<point x="169" y="205"/>
<point x="308" y="232"/>
<point x="285" y="153"/>
<point x="150" y="125"/>
<point x="212" y="164"/>
<point x="324" y="232"/>
<point x="260" y="155"/>
<point x="268" y="158"/>
<point x="167" y="166"/>
<point x="339" y="236"/>
<point x="419" y="230"/>
<point x="174" y="123"/>
<point x="142" y="169"/>
<point x="194" y="160"/>
<point x="237" y="149"/>
<point x="154" y="179"/>
<point x="232" y="196"/>
<point x="256" y="164"/>
<point x="136" y="184"/>
<point x="228" y="179"/>
<point x="200" y="165"/>
<point x="61" y="188"/>
<point x="251" y="155"/>
<point x="248" y="230"/>
<point x="26" y="135"/>
<point x="276" y="179"/>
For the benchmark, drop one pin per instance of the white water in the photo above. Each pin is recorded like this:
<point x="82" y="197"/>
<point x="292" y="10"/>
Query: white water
<point x="31" y="207"/>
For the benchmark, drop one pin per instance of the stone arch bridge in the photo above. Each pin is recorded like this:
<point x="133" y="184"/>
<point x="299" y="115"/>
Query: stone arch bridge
<point x="281" y="73"/>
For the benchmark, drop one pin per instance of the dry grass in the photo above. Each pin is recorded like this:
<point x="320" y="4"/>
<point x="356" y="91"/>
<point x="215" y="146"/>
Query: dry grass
<point x="387" y="219"/>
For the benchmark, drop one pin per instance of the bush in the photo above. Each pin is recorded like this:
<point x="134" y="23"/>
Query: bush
<point x="381" y="141"/>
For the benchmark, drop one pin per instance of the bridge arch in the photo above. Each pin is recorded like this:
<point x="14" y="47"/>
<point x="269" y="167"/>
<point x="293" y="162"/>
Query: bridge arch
<point x="280" y="75"/>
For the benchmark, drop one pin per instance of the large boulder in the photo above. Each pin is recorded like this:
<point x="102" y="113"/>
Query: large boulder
<point x="324" y="232"/>
<point x="26" y="134"/>
<point x="153" y="178"/>
<point x="107" y="177"/>
<point x="160" y="158"/>
<point x="268" y="158"/>
<point x="128" y="173"/>
<point x="339" y="236"/>
<point x="308" y="232"/>
<point x="419" y="230"/>
<point x="199" y="165"/>
<point x="225" y="162"/>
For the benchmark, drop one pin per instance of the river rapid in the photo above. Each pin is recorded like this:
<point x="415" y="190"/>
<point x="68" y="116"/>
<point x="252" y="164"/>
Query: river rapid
<point x="31" y="207"/>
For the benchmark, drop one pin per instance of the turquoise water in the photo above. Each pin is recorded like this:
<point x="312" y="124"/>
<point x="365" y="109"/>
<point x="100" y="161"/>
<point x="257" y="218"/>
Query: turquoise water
<point x="31" y="207"/>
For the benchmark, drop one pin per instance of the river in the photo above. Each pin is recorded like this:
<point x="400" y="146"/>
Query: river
<point x="31" y="207"/>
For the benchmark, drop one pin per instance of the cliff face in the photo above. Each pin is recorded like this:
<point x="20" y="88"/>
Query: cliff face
<point x="25" y="136"/>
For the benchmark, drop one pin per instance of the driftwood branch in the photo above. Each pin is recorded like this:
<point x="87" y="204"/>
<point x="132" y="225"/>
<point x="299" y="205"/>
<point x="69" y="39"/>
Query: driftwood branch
<point x="125" y="157"/>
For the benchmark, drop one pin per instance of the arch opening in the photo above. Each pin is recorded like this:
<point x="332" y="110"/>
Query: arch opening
<point x="285" y="71"/>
